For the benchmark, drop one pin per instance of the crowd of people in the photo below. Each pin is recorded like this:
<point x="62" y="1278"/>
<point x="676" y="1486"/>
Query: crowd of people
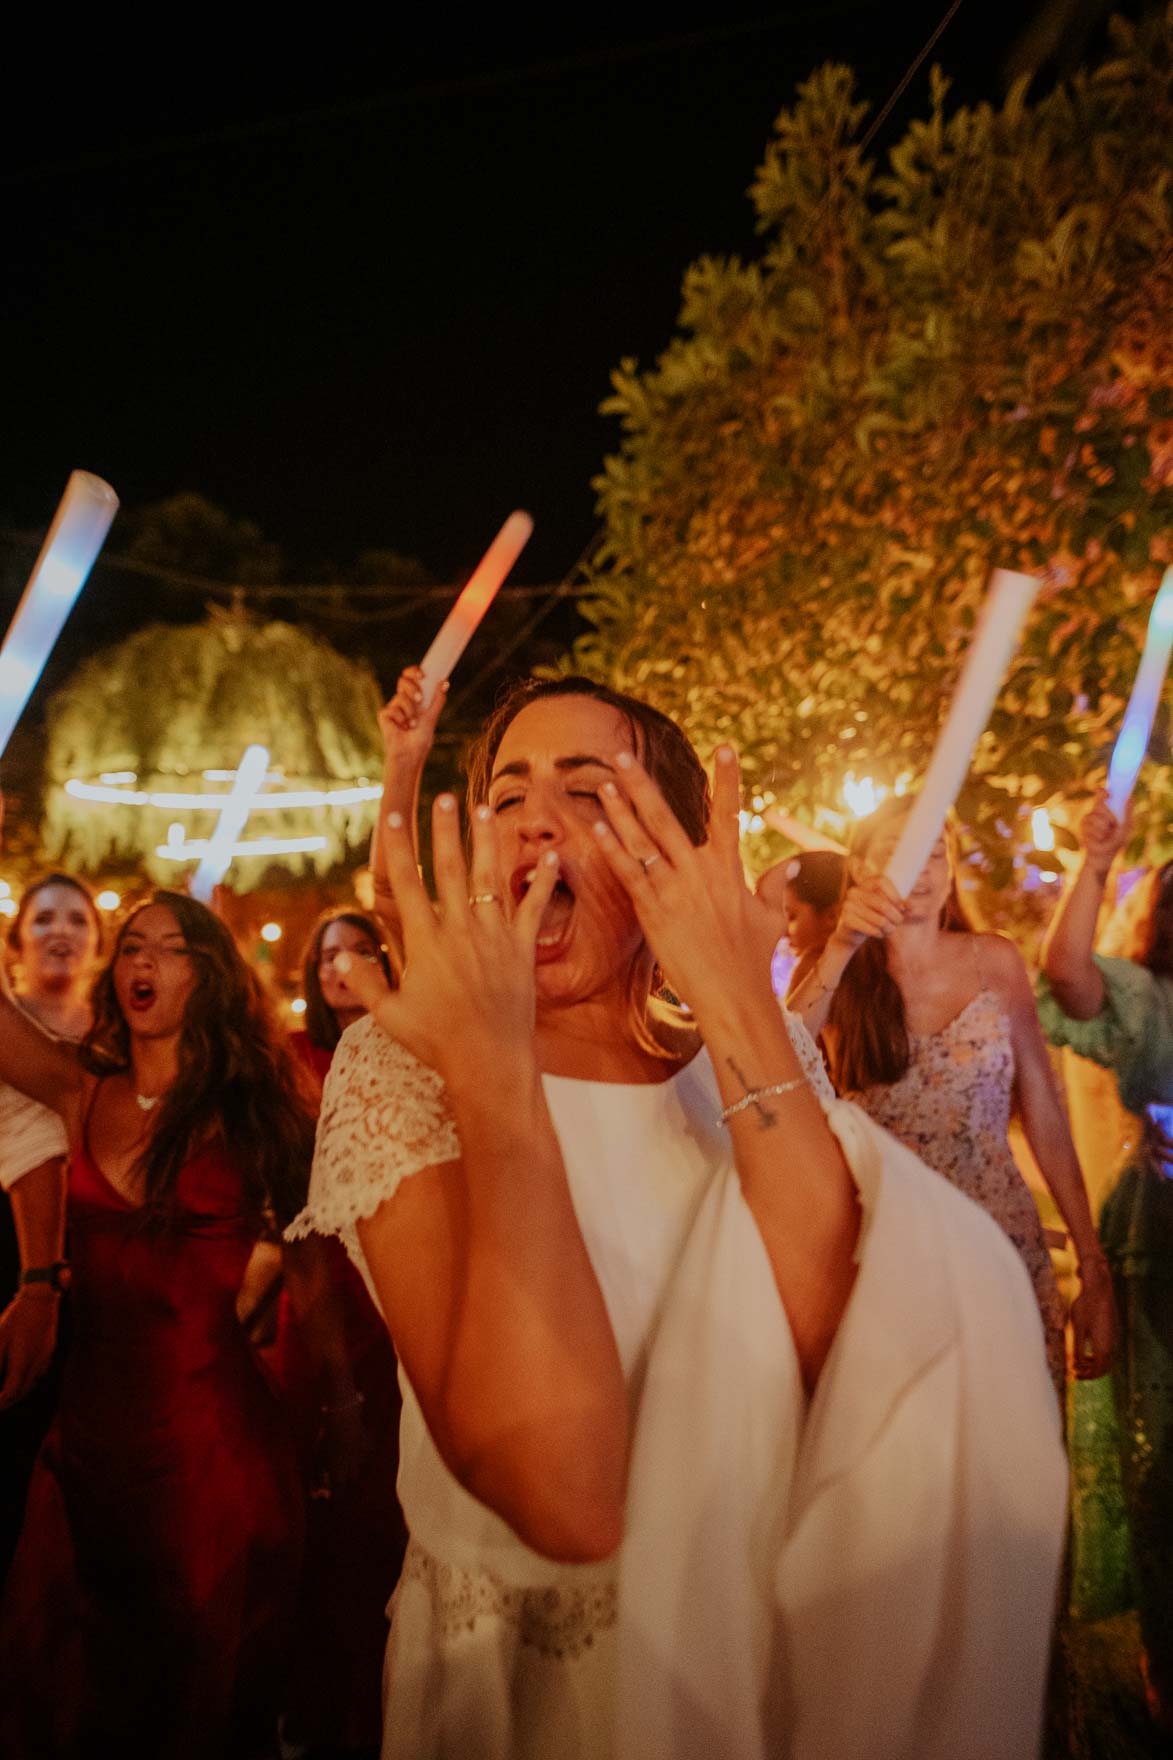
<point x="657" y="1371"/>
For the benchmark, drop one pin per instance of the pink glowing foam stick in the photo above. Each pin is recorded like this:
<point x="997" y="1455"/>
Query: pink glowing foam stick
<point x="457" y="629"/>
<point x="1008" y="599"/>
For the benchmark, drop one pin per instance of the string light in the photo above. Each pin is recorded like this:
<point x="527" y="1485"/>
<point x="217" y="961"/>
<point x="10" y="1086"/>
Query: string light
<point x="1041" y="829"/>
<point x="863" y="796"/>
<point x="180" y="851"/>
<point x="271" y="932"/>
<point x="108" y="901"/>
<point x="8" y="907"/>
<point x="297" y="1006"/>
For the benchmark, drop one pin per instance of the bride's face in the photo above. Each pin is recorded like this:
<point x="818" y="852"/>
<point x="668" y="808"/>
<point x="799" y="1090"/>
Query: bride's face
<point x="544" y="793"/>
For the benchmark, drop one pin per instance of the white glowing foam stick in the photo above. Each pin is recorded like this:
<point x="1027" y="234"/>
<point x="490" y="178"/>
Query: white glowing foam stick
<point x="238" y="804"/>
<point x="1008" y="599"/>
<point x="1132" y="742"/>
<point x="457" y="628"/>
<point x="78" y="531"/>
<point x="803" y="835"/>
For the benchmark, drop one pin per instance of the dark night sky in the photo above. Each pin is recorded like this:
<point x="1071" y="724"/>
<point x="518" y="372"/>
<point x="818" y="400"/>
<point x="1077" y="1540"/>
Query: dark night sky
<point x="369" y="291"/>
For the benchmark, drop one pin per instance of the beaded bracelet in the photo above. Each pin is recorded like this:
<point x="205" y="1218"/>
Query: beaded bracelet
<point x="756" y="1094"/>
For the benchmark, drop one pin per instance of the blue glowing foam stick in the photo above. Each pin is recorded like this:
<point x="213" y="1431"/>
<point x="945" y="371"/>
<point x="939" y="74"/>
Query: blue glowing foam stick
<point x="238" y="804"/>
<point x="1132" y="742"/>
<point x="67" y="555"/>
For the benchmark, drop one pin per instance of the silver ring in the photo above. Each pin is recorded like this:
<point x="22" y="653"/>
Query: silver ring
<point x="645" y="862"/>
<point x="484" y="898"/>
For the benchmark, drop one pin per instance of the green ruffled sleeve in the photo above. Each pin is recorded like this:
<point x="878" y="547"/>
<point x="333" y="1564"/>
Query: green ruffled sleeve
<point x="1131" y="1028"/>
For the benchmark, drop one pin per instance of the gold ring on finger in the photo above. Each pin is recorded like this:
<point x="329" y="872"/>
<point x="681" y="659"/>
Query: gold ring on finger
<point x="645" y="862"/>
<point x="484" y="898"/>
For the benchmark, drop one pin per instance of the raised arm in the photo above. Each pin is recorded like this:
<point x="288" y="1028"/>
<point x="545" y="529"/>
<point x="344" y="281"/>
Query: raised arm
<point x="697" y="914"/>
<point x="872" y="907"/>
<point x="1067" y="950"/>
<point x="408" y="730"/>
<point x="482" y="1273"/>
<point x="48" y="1070"/>
<point x="1093" y="1313"/>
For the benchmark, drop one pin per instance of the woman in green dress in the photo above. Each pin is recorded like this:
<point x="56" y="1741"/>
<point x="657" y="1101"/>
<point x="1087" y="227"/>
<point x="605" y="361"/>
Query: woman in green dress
<point x="1119" y="1013"/>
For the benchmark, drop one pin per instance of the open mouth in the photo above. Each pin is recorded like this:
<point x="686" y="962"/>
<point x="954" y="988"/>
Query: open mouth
<point x="142" y="993"/>
<point x="557" y="916"/>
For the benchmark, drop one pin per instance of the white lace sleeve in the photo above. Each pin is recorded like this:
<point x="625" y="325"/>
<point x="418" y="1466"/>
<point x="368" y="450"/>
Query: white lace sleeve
<point x="384" y="1116"/>
<point x="810" y="1057"/>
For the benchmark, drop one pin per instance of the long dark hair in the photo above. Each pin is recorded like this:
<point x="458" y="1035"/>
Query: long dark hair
<point x="661" y="746"/>
<point x="237" y="1079"/>
<point x="321" y="1023"/>
<point x="868" y="1038"/>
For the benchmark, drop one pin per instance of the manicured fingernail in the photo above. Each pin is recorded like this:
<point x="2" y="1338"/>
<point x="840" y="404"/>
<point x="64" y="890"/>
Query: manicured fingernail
<point x="624" y="760"/>
<point x="484" y="814"/>
<point x="342" y="963"/>
<point x="610" y="790"/>
<point x="447" y="803"/>
<point x="550" y="859"/>
<point x="395" y="820"/>
<point x="726" y="755"/>
<point x="600" y="828"/>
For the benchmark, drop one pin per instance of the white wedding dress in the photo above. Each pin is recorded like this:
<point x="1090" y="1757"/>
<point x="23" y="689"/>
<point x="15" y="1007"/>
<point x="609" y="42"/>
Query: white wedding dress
<point x="867" y="1576"/>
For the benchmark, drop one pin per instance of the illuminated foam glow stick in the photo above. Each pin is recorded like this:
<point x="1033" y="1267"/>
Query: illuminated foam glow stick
<point x="803" y="835"/>
<point x="239" y="802"/>
<point x="1008" y="599"/>
<point x="1132" y="742"/>
<point x="77" y="534"/>
<point x="458" y="627"/>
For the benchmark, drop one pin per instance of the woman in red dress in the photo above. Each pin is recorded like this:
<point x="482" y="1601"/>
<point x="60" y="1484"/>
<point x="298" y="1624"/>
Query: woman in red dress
<point x="355" y="1536"/>
<point x="147" y="1610"/>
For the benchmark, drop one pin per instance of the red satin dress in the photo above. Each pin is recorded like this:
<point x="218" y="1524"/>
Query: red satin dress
<point x="147" y="1610"/>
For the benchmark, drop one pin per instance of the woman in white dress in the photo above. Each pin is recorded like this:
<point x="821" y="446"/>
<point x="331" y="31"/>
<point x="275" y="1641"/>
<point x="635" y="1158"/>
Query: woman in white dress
<point x="708" y="1446"/>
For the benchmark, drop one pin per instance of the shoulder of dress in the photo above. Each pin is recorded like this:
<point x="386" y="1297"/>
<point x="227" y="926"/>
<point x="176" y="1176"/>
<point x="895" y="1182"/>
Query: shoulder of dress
<point x="366" y="1046"/>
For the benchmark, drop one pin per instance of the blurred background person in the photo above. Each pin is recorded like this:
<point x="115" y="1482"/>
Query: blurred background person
<point x="53" y="945"/>
<point x="1119" y="1013"/>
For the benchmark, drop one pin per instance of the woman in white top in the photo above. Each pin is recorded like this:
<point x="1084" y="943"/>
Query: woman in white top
<point x="54" y="942"/>
<point x="702" y="1451"/>
<point x="55" y="938"/>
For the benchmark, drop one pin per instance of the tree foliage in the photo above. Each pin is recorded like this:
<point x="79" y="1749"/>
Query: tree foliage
<point x="175" y="700"/>
<point x="962" y="360"/>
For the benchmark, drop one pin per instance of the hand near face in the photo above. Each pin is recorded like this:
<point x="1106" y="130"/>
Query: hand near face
<point x="467" y="995"/>
<point x="704" y="925"/>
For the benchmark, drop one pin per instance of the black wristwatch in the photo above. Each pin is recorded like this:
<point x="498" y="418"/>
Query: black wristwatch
<point x="57" y="1276"/>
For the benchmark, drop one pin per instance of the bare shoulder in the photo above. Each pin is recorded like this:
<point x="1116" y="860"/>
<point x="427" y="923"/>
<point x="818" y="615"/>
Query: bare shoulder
<point x="1003" y="965"/>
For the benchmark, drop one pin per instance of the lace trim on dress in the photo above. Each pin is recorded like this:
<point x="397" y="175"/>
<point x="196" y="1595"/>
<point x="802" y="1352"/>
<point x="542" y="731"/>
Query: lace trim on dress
<point x="557" y="1622"/>
<point x="384" y="1116"/>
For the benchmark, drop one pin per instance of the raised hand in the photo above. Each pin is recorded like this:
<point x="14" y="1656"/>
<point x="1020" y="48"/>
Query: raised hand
<point x="1103" y="835"/>
<point x="871" y="908"/>
<point x="701" y="920"/>
<point x="467" y="998"/>
<point x="408" y="729"/>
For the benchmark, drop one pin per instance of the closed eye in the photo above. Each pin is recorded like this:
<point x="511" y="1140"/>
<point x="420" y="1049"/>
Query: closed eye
<point x="505" y="801"/>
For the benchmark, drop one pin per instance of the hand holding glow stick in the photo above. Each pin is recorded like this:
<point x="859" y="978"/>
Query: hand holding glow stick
<point x="457" y="629"/>
<point x="1132" y="742"/>
<point x="238" y="804"/>
<point x="1008" y="600"/>
<point x="78" y="531"/>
